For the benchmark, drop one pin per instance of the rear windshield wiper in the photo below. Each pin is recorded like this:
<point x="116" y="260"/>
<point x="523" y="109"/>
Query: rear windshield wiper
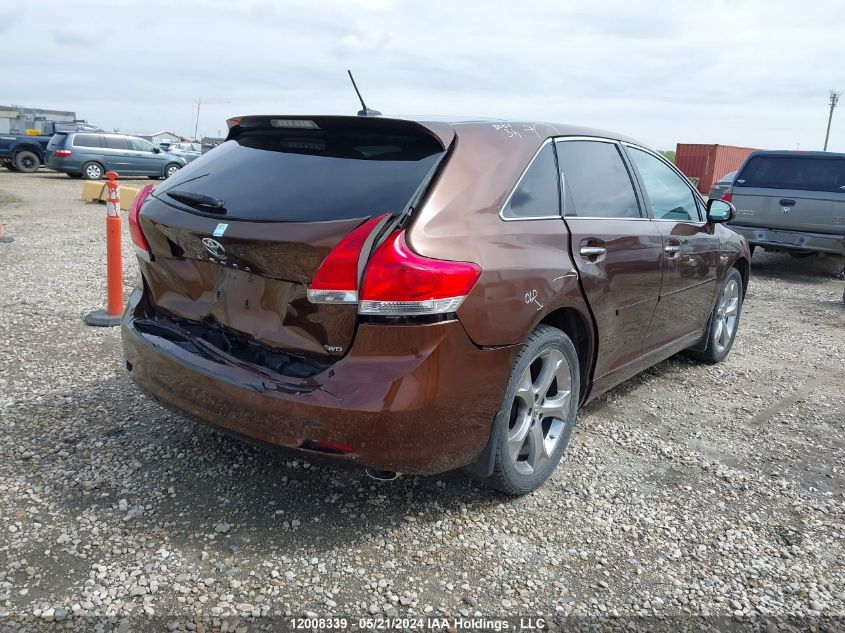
<point x="198" y="201"/>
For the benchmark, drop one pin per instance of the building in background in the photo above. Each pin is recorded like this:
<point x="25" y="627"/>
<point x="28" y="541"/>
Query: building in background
<point x="705" y="164"/>
<point x="163" y="137"/>
<point x="18" y="119"/>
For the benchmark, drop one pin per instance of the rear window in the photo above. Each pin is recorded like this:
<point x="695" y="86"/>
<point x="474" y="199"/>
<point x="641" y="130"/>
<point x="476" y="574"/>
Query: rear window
<point x="87" y="140"/>
<point x="57" y="141"/>
<point x="334" y="171"/>
<point x="794" y="172"/>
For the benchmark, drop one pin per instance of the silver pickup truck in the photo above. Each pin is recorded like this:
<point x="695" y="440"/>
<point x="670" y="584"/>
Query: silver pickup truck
<point x="791" y="201"/>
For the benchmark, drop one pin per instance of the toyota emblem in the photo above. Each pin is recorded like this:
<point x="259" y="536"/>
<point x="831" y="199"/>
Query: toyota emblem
<point x="214" y="248"/>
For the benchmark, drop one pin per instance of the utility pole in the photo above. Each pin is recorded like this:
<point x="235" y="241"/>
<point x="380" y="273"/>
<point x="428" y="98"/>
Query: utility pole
<point x="834" y="99"/>
<point x="199" y="103"/>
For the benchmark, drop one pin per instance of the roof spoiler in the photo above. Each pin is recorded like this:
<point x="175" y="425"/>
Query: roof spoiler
<point x="238" y="125"/>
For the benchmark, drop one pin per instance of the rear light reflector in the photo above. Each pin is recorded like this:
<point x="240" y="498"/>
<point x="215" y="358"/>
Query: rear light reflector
<point x="727" y="196"/>
<point x="142" y="248"/>
<point x="334" y="448"/>
<point x="399" y="282"/>
<point x="62" y="153"/>
<point x="336" y="280"/>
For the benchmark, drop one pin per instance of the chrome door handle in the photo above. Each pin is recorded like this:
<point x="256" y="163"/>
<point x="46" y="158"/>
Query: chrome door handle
<point x="672" y="248"/>
<point x="593" y="251"/>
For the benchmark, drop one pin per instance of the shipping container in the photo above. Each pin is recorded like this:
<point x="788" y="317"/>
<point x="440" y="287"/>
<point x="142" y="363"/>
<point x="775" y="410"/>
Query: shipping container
<point x="708" y="163"/>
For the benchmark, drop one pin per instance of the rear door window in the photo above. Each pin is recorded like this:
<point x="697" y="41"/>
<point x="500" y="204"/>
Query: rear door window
<point x="330" y="171"/>
<point x="88" y="140"/>
<point x="794" y="172"/>
<point x="596" y="181"/>
<point x="116" y="142"/>
<point x="537" y="194"/>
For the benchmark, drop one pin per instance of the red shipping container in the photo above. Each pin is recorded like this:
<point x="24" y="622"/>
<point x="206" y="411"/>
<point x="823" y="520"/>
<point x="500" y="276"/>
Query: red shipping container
<point x="705" y="164"/>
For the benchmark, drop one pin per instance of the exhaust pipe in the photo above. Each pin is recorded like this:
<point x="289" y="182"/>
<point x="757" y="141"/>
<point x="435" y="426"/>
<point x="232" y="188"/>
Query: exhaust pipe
<point x="382" y="475"/>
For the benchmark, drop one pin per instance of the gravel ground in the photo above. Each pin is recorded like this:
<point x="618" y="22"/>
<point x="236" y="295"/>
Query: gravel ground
<point x="691" y="489"/>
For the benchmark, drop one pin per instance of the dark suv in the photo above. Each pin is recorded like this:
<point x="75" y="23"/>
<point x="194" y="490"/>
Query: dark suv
<point x="791" y="201"/>
<point x="418" y="296"/>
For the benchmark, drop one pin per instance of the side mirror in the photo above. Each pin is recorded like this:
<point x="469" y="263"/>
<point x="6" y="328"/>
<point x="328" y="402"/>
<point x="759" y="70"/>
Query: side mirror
<point x="156" y="150"/>
<point x="719" y="211"/>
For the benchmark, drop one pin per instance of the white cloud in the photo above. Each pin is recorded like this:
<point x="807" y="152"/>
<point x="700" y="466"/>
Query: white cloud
<point x="745" y="72"/>
<point x="82" y="36"/>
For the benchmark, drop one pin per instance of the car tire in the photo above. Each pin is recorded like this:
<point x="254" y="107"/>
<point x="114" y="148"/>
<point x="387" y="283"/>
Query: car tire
<point x="529" y="443"/>
<point x="92" y="171"/>
<point x="27" y="162"/>
<point x="724" y="321"/>
<point x="171" y="169"/>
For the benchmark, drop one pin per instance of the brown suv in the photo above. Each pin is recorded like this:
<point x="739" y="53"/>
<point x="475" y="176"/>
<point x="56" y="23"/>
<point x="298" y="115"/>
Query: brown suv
<point x="418" y="296"/>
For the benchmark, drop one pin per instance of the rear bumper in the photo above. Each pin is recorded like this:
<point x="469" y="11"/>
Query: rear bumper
<point x="792" y="240"/>
<point x="410" y="398"/>
<point x="68" y="166"/>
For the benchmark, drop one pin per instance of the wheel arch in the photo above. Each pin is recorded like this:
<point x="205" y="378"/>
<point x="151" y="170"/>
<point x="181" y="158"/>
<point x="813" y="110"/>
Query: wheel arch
<point x="35" y="149"/>
<point x="578" y="328"/>
<point x="744" y="268"/>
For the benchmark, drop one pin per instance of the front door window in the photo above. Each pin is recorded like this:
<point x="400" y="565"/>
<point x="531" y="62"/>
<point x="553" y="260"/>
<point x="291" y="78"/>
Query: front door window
<point x="670" y="197"/>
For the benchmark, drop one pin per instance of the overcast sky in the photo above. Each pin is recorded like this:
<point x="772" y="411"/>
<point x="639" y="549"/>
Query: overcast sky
<point x="733" y="72"/>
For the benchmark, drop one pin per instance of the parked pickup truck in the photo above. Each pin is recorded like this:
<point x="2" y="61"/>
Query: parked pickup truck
<point x="26" y="153"/>
<point x="791" y="201"/>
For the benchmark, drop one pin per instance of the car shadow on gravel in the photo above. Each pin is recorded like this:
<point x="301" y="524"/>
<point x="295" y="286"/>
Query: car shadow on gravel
<point x="204" y="489"/>
<point x="784" y="267"/>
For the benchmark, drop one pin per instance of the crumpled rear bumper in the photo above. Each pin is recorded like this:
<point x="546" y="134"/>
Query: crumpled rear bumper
<point x="409" y="398"/>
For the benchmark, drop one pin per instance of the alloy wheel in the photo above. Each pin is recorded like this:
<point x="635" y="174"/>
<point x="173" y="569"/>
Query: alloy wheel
<point x="93" y="171"/>
<point x="539" y="411"/>
<point x="727" y="312"/>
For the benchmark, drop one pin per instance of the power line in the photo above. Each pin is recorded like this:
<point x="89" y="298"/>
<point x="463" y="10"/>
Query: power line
<point x="834" y="100"/>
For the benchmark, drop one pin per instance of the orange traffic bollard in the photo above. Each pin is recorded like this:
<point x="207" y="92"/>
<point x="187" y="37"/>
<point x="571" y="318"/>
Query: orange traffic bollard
<point x="114" y="263"/>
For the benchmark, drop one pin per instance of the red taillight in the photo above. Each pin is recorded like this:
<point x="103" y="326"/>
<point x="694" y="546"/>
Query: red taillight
<point x="62" y="153"/>
<point x="727" y="196"/>
<point x="399" y="282"/>
<point x="142" y="248"/>
<point x="336" y="280"/>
